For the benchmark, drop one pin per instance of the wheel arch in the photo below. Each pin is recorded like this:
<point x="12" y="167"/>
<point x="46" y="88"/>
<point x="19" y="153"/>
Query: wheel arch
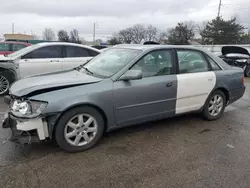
<point x="225" y="91"/>
<point x="13" y="75"/>
<point x="99" y="109"/>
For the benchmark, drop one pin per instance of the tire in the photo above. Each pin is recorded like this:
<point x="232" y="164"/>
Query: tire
<point x="247" y="71"/>
<point x="5" y="81"/>
<point x="206" y="113"/>
<point x="63" y="127"/>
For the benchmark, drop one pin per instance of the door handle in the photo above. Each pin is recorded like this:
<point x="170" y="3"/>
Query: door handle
<point x="170" y="84"/>
<point x="54" y="61"/>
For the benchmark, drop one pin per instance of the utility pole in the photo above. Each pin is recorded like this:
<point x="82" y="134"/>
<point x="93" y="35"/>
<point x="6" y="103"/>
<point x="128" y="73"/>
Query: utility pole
<point x="13" y="28"/>
<point x="248" y="39"/>
<point x="95" y="24"/>
<point x="219" y="9"/>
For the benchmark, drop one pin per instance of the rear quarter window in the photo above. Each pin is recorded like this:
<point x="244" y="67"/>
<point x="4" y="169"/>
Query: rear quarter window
<point x="218" y="60"/>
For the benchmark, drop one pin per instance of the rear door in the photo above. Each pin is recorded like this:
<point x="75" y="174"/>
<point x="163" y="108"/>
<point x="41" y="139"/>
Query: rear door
<point x="75" y="56"/>
<point x="153" y="96"/>
<point x="195" y="80"/>
<point x="42" y="60"/>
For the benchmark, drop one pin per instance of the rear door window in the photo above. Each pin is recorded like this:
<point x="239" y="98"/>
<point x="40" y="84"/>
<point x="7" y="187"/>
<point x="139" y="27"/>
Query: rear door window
<point x="74" y="51"/>
<point x="191" y="61"/>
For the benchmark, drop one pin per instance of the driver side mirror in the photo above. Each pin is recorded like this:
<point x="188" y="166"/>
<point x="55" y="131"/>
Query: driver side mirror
<point x="131" y="75"/>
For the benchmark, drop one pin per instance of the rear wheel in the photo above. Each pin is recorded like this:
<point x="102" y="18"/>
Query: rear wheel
<point x="214" y="106"/>
<point x="247" y="71"/>
<point x="79" y="129"/>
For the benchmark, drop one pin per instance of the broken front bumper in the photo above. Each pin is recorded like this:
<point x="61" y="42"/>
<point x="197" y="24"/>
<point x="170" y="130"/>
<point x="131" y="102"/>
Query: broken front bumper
<point x="25" y="131"/>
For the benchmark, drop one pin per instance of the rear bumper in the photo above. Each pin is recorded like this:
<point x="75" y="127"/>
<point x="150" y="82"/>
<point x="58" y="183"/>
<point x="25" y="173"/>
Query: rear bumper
<point x="27" y="131"/>
<point x="236" y="94"/>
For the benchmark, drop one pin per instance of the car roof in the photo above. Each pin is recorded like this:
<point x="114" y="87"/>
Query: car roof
<point x="65" y="43"/>
<point x="153" y="47"/>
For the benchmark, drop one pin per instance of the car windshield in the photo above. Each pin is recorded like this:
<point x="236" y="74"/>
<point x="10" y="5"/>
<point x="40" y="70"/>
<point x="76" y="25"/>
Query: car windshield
<point x="111" y="61"/>
<point x="19" y="52"/>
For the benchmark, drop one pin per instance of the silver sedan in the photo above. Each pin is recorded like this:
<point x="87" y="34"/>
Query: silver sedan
<point x="123" y="86"/>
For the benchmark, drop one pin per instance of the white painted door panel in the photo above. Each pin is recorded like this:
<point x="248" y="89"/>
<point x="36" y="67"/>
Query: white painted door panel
<point x="193" y="90"/>
<point x="72" y="62"/>
<point x="31" y="67"/>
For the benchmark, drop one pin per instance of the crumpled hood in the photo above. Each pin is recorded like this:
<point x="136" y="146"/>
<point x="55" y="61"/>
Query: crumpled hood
<point x="50" y="82"/>
<point x="234" y="50"/>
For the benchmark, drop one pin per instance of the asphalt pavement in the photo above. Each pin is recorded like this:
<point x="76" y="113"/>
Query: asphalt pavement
<point x="184" y="151"/>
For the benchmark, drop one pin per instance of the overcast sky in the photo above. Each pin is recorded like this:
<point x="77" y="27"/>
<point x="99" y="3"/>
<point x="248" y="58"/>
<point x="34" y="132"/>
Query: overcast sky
<point x="111" y="15"/>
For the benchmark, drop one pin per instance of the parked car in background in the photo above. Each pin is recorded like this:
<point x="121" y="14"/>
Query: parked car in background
<point x="236" y="56"/>
<point x="43" y="58"/>
<point x="124" y="85"/>
<point x="8" y="47"/>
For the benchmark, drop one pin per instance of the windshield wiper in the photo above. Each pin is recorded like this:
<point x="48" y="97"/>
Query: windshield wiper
<point x="82" y="67"/>
<point x="87" y="70"/>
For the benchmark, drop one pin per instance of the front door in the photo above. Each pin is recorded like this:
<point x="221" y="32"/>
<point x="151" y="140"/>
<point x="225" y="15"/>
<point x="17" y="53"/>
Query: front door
<point x="43" y="60"/>
<point x="195" y="81"/>
<point x="149" y="98"/>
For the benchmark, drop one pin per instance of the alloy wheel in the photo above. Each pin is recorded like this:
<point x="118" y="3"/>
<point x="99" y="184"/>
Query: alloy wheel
<point x="215" y="105"/>
<point x="4" y="84"/>
<point x="80" y="130"/>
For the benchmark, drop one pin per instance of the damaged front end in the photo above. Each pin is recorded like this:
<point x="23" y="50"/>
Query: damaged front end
<point x="25" y="120"/>
<point x="31" y="112"/>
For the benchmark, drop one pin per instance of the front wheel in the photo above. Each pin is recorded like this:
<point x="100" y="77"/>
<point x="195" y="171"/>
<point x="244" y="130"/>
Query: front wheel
<point x="79" y="129"/>
<point x="5" y="82"/>
<point x="214" y="106"/>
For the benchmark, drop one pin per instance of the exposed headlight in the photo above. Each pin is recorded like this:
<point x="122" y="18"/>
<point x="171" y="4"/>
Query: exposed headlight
<point x="29" y="109"/>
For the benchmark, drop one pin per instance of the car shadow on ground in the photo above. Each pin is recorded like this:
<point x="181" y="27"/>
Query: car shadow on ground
<point x="37" y="150"/>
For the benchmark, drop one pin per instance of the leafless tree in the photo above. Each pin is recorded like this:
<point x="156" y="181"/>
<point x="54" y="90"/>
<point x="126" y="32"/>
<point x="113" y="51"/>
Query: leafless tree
<point x="74" y="36"/>
<point x="201" y="26"/>
<point x="163" y="37"/>
<point x="136" y="34"/>
<point x="63" y="36"/>
<point x="139" y="33"/>
<point x="151" y="33"/>
<point x="126" y="36"/>
<point x="48" y="34"/>
<point x="35" y="37"/>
